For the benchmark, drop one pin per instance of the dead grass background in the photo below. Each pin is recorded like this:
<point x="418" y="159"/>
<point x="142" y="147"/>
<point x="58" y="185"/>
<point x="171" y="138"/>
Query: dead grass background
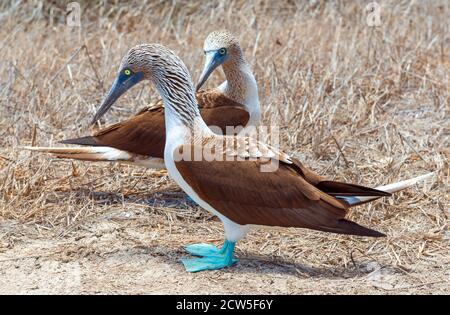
<point x="326" y="78"/>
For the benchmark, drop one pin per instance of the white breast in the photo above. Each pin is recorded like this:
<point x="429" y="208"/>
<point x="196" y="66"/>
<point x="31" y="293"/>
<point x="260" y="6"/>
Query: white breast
<point x="250" y="100"/>
<point x="174" y="138"/>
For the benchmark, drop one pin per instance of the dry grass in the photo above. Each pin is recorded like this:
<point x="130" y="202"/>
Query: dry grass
<point x="325" y="77"/>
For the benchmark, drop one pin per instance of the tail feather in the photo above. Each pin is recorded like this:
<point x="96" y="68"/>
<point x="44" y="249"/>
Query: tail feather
<point x="100" y="154"/>
<point x="85" y="153"/>
<point x="351" y="228"/>
<point x="87" y="141"/>
<point x="390" y="188"/>
<point x="344" y="189"/>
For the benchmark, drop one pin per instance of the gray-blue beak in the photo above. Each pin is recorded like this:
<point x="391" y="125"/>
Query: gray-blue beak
<point x="212" y="61"/>
<point x="120" y="86"/>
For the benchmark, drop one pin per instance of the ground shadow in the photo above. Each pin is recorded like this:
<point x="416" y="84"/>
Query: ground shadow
<point x="156" y="198"/>
<point x="250" y="264"/>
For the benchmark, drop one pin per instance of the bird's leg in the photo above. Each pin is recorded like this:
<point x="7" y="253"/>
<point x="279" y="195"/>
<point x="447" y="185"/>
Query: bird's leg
<point x="218" y="259"/>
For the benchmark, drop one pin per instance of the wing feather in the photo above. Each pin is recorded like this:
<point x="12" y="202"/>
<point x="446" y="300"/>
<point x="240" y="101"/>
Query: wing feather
<point x="144" y="134"/>
<point x="241" y="192"/>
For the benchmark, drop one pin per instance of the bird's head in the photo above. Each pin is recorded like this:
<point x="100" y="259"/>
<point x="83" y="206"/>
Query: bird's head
<point x="142" y="62"/>
<point x="220" y="48"/>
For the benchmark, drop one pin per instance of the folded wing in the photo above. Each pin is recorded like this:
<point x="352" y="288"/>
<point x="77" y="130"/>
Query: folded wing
<point x="241" y="192"/>
<point x="144" y="134"/>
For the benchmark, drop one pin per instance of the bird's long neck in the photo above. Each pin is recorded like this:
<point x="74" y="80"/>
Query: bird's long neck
<point x="180" y="105"/>
<point x="240" y="84"/>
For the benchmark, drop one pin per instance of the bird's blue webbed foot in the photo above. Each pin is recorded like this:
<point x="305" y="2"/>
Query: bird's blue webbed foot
<point x="202" y="249"/>
<point x="207" y="263"/>
<point x="212" y="258"/>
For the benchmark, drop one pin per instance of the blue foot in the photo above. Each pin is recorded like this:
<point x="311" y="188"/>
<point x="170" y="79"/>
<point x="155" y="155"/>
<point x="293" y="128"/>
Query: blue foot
<point x="212" y="257"/>
<point x="207" y="263"/>
<point x="202" y="250"/>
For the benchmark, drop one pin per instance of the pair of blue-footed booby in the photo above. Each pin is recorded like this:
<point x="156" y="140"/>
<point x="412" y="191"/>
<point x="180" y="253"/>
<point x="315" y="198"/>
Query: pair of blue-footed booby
<point x="234" y="184"/>
<point x="140" y="139"/>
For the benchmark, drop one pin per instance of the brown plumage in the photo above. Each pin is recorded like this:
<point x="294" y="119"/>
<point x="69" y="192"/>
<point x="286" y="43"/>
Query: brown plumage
<point x="144" y="133"/>
<point x="233" y="104"/>
<point x="231" y="178"/>
<point x="292" y="196"/>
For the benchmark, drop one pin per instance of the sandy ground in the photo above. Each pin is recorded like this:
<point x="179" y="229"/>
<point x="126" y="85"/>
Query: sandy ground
<point x="120" y="252"/>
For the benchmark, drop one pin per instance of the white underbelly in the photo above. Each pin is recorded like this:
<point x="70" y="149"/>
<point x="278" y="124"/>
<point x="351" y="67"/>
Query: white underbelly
<point x="233" y="231"/>
<point x="149" y="162"/>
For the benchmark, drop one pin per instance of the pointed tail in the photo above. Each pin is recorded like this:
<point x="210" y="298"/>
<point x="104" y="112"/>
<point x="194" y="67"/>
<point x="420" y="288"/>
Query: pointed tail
<point x="88" y="141"/>
<point x="390" y="188"/>
<point x="84" y="153"/>
<point x="99" y="154"/>
<point x="351" y="228"/>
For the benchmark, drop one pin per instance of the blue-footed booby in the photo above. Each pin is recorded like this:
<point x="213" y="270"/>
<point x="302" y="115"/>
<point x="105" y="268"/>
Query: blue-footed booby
<point x="140" y="139"/>
<point x="242" y="181"/>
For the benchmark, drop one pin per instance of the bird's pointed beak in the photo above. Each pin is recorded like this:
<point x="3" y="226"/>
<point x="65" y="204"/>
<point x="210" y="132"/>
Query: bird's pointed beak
<point x="119" y="87"/>
<point x="211" y="63"/>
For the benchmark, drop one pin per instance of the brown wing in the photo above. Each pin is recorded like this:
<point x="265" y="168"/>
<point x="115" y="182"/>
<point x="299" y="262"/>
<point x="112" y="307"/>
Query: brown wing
<point x="145" y="133"/>
<point x="244" y="194"/>
<point x="221" y="117"/>
<point x="220" y="111"/>
<point x="141" y="134"/>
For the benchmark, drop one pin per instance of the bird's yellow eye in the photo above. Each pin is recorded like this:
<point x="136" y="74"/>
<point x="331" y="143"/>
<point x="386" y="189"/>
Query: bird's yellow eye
<point x="222" y="51"/>
<point x="127" y="71"/>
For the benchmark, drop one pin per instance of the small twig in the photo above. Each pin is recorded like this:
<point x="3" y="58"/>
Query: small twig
<point x="410" y="145"/>
<point x="5" y="158"/>
<point x="33" y="136"/>
<point x="20" y="74"/>
<point x="411" y="286"/>
<point x="100" y="82"/>
<point x="139" y="179"/>
<point x="331" y="165"/>
<point x="423" y="284"/>
<point x="340" y="150"/>
<point x="65" y="64"/>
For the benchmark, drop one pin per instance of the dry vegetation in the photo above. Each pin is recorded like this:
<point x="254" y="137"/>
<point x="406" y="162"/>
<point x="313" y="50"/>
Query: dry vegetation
<point x="368" y="105"/>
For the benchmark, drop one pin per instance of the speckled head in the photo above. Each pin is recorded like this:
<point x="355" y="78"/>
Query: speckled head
<point x="222" y="39"/>
<point x="146" y="59"/>
<point x="146" y="62"/>
<point x="221" y="48"/>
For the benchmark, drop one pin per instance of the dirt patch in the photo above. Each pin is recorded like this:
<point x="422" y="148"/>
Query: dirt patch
<point x="129" y="256"/>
